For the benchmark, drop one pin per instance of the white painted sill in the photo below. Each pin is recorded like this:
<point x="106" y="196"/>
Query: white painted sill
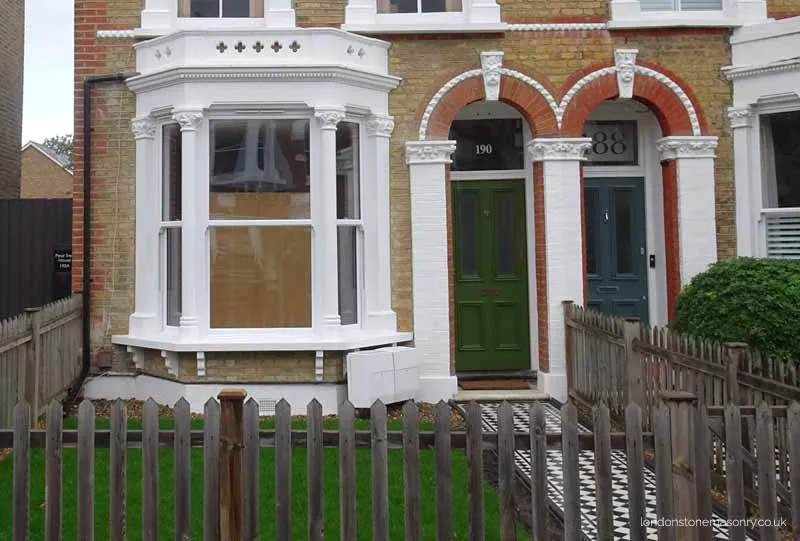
<point x="674" y="20"/>
<point x="410" y="28"/>
<point x="231" y="341"/>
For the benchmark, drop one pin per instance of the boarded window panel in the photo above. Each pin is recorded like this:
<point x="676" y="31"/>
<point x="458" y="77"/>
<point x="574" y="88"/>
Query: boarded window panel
<point x="658" y="5"/>
<point x="260" y="277"/>
<point x="347" y="240"/>
<point x="204" y="8"/>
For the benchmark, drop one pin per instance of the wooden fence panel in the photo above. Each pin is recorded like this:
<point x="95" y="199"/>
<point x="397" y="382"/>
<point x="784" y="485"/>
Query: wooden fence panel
<point x="475" y="471"/>
<point x="119" y="428"/>
<point x="22" y="471"/>
<point x="86" y="422"/>
<point x="733" y="467"/>
<point x="635" y="463"/>
<point x="665" y="503"/>
<point x="538" y="438"/>
<point x="767" y="503"/>
<point x="250" y="469"/>
<point x="53" y="471"/>
<point x="347" y="471"/>
<point x="569" y="450"/>
<point x="150" y="471"/>
<point x="505" y="467"/>
<point x="182" y="479"/>
<point x="380" y="474"/>
<point x="413" y="511"/>
<point x="314" y="470"/>
<point x="211" y="420"/>
<point x="444" y="476"/>
<point x="793" y="429"/>
<point x="602" y="469"/>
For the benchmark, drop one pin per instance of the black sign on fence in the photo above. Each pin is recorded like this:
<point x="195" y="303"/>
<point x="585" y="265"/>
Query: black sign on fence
<point x="62" y="260"/>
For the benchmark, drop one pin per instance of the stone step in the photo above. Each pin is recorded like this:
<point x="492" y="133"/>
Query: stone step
<point x="498" y="395"/>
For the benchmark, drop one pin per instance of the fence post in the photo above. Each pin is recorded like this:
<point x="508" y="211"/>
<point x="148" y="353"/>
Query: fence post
<point x="231" y="510"/>
<point x="634" y="368"/>
<point x="681" y="405"/>
<point x="734" y="354"/>
<point x="569" y="345"/>
<point x="32" y="383"/>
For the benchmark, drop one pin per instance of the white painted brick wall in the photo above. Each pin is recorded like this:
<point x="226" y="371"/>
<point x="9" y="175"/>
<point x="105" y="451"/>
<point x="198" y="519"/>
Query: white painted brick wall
<point x="696" y="216"/>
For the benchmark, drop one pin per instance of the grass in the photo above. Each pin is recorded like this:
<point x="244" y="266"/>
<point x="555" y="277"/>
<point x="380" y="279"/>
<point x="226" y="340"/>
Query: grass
<point x="267" y="497"/>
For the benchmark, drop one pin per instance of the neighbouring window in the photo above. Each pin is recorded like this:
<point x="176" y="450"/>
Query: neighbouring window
<point x="418" y="6"/>
<point x="220" y="8"/>
<point x="613" y="142"/>
<point x="260" y="226"/>
<point x="487" y="144"/>
<point x="348" y="219"/>
<point x="681" y="5"/>
<point x="170" y="233"/>
<point x="780" y="159"/>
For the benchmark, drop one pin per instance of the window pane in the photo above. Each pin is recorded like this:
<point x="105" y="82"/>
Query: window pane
<point x="623" y="225"/>
<point x="505" y="231"/>
<point x="259" y="169"/>
<point x="657" y="5"/>
<point x="348" y="274"/>
<point x="701" y="5"/>
<point x="260" y="277"/>
<point x="173" y="236"/>
<point x="235" y="8"/>
<point x="468" y="231"/>
<point x="487" y="144"/>
<point x="785" y="142"/>
<point x="205" y="8"/>
<point x="397" y="6"/>
<point x="347" y="170"/>
<point x="613" y="142"/>
<point x="434" y="6"/>
<point x="171" y="173"/>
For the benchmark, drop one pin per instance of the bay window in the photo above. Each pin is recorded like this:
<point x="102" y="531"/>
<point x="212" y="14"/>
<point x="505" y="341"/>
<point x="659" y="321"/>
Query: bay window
<point x="348" y="219"/>
<point x="170" y="227"/>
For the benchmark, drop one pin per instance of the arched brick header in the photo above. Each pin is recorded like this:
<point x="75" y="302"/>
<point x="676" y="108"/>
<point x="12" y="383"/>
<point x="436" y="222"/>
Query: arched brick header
<point x="531" y="98"/>
<point x="673" y="104"/>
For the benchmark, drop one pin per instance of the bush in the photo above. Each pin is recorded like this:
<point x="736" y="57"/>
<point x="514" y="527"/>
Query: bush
<point x="756" y="301"/>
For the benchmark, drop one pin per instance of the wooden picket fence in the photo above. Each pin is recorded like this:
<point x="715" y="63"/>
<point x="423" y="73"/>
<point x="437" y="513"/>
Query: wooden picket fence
<point x="231" y="440"/>
<point x="40" y="355"/>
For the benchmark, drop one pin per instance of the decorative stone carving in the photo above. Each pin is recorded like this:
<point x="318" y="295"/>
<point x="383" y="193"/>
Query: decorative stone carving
<point x="429" y="151"/>
<point x="740" y="117"/>
<point x="571" y="148"/>
<point x="625" y="60"/>
<point x="329" y="118"/>
<point x="188" y="120"/>
<point x="491" y="63"/>
<point x="143" y="128"/>
<point x="675" y="147"/>
<point x="380" y="126"/>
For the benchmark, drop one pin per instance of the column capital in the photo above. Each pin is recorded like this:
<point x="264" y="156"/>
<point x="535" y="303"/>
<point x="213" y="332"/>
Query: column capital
<point x="143" y="127"/>
<point x="429" y="151"/>
<point x="189" y="119"/>
<point x="328" y="118"/>
<point x="740" y="117"/>
<point x="559" y="149"/>
<point x="686" y="146"/>
<point x="380" y="126"/>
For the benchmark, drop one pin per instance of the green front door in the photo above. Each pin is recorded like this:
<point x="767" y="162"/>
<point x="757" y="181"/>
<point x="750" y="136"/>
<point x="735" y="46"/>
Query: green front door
<point x="491" y="275"/>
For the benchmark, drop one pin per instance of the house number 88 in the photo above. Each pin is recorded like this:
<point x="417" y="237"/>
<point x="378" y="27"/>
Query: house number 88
<point x="481" y="150"/>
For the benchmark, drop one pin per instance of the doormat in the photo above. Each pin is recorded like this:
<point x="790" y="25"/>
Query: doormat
<point x="495" y="384"/>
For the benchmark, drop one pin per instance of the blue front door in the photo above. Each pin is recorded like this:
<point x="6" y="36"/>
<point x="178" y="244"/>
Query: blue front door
<point x="616" y="260"/>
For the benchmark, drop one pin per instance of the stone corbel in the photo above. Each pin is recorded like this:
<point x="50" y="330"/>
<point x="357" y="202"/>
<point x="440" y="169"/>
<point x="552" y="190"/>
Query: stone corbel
<point x="429" y="151"/>
<point x="138" y="357"/>
<point x="201" y="363"/>
<point x="171" y="362"/>
<point x="625" y="60"/>
<point x="491" y="64"/>
<point x="319" y="365"/>
<point x="740" y="117"/>
<point x="686" y="147"/>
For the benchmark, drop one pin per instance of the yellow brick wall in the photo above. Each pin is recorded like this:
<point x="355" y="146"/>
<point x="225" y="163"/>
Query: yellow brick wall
<point x="42" y="178"/>
<point x="12" y="25"/>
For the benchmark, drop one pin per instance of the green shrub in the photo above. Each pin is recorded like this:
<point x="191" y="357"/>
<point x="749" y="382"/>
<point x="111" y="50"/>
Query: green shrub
<point x="756" y="301"/>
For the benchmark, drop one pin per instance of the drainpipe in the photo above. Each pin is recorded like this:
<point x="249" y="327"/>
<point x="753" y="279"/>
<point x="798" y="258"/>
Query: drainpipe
<point x="88" y="85"/>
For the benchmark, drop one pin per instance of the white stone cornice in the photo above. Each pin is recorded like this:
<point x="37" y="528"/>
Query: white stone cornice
<point x="742" y="72"/>
<point x="429" y="151"/>
<point x="380" y="126"/>
<point x="189" y="119"/>
<point x="740" y="117"/>
<point x="328" y="118"/>
<point x="559" y="149"/>
<point x="681" y="147"/>
<point x="491" y="64"/>
<point x="143" y="127"/>
<point x="625" y="61"/>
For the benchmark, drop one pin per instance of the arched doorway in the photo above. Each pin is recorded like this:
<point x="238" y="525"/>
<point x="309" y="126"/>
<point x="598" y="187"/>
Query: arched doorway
<point x="623" y="213"/>
<point x="492" y="276"/>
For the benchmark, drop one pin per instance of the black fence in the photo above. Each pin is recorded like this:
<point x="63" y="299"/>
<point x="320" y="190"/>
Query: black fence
<point x="35" y="253"/>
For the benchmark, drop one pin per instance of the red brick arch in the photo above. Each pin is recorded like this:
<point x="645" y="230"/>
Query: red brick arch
<point x="662" y="101"/>
<point x="533" y="107"/>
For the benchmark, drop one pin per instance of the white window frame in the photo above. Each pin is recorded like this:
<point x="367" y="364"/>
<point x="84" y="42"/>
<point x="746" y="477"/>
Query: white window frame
<point x="160" y="17"/>
<point x="475" y="16"/>
<point x="734" y="13"/>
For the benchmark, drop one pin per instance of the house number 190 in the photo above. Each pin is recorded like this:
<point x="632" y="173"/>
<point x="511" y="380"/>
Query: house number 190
<point x="481" y="150"/>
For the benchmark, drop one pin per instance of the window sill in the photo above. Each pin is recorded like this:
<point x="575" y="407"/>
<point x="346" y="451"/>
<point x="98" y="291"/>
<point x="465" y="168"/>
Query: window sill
<point x="423" y="28"/>
<point x="263" y="341"/>
<point x="675" y="20"/>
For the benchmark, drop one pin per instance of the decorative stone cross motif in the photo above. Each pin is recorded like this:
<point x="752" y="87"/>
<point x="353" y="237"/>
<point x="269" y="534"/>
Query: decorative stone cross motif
<point x="221" y="47"/>
<point x="276" y="47"/>
<point x="294" y="46"/>
<point x="258" y="46"/>
<point x="240" y="47"/>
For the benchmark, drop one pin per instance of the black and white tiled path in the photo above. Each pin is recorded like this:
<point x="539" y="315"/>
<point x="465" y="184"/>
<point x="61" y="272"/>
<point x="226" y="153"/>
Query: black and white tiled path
<point x="555" y="489"/>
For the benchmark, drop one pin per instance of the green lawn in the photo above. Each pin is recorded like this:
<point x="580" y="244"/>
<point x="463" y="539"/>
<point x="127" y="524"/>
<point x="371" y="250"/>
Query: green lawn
<point x="266" y="479"/>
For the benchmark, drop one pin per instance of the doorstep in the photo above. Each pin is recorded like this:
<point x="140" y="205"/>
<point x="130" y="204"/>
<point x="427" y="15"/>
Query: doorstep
<point x="499" y="395"/>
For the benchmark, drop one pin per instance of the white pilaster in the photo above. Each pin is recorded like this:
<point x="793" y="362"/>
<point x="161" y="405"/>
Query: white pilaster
<point x="159" y="14"/>
<point x="192" y="232"/>
<point x="697" y="228"/>
<point x="563" y="246"/>
<point x="145" y="316"/>
<point x="741" y="120"/>
<point x="361" y="12"/>
<point x="325" y="246"/>
<point x="279" y="14"/>
<point x="428" y="161"/>
<point x="375" y="189"/>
